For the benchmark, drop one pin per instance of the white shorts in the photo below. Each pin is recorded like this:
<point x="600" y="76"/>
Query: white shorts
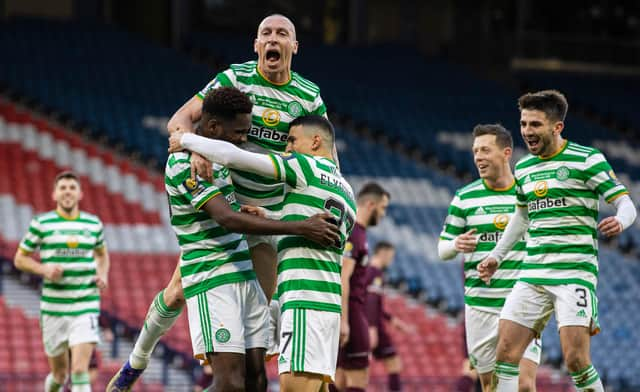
<point x="482" y="340"/>
<point x="274" y="329"/>
<point x="229" y="318"/>
<point x="309" y="342"/>
<point x="532" y="305"/>
<point x="61" y="332"/>
<point x="254" y="240"/>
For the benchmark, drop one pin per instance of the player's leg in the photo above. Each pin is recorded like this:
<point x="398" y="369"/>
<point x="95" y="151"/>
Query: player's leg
<point x="301" y="382"/>
<point x="529" y="366"/>
<point x="354" y="356"/>
<point x="256" y="375"/>
<point x="527" y="380"/>
<point x="265" y="260"/>
<point x="84" y="334"/>
<point x="80" y="357"/>
<point x="59" y="366"/>
<point x="55" y="336"/>
<point x="393" y="366"/>
<point x="228" y="371"/>
<point x="385" y="351"/>
<point x="577" y="314"/>
<point x="524" y="315"/>
<point x="308" y="349"/>
<point x="257" y="330"/>
<point x="481" y="329"/>
<point x="162" y="314"/>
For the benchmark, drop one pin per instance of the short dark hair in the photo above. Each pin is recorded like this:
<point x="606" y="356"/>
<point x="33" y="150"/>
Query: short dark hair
<point x="382" y="245"/>
<point x="373" y="189"/>
<point x="552" y="102"/>
<point x="66" y="175"/>
<point x="314" y="120"/>
<point x="226" y="102"/>
<point x="503" y="137"/>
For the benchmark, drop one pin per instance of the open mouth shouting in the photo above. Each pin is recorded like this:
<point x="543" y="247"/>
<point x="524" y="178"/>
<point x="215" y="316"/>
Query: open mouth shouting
<point x="272" y="56"/>
<point x="533" y="142"/>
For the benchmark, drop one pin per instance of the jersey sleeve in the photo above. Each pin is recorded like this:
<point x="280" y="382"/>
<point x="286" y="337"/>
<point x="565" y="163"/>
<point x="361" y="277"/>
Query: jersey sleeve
<point x="319" y="107"/>
<point x="601" y="178"/>
<point x="223" y="79"/>
<point x="455" y="222"/>
<point x="521" y="197"/>
<point x="195" y="192"/>
<point x="291" y="169"/>
<point x="33" y="238"/>
<point x="100" y="243"/>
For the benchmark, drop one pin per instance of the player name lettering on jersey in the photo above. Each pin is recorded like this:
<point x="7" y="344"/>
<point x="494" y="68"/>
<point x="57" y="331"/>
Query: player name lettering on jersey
<point x="334" y="182"/>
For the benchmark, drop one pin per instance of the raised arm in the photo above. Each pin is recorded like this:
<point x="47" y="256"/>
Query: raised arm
<point x="183" y="119"/>
<point x="224" y="153"/>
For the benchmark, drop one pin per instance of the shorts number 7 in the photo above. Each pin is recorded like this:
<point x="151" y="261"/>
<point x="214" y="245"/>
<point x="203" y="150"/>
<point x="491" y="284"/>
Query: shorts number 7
<point x="287" y="336"/>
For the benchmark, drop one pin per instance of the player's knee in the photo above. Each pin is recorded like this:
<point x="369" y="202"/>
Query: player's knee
<point x="575" y="359"/>
<point x="60" y="375"/>
<point x="506" y="351"/>
<point x="235" y="383"/>
<point x="173" y="296"/>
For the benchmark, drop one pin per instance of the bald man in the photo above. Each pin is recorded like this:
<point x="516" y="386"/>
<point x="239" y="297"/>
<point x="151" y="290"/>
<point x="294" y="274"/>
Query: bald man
<point x="279" y="96"/>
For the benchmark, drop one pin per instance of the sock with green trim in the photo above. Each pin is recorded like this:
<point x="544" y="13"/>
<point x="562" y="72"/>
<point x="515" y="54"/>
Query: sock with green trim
<point x="506" y="377"/>
<point x="587" y="379"/>
<point x="50" y="384"/>
<point x="80" y="382"/>
<point x="160" y="318"/>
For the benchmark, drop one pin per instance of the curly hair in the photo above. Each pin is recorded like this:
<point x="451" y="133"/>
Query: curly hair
<point x="552" y="102"/>
<point x="226" y="102"/>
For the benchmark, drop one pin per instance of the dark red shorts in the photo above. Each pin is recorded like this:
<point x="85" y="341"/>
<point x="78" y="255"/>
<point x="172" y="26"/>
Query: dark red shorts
<point x="355" y="354"/>
<point x="385" y="348"/>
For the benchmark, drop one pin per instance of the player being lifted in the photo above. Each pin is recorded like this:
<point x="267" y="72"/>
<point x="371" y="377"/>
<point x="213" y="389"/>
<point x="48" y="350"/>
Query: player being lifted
<point x="353" y="357"/>
<point x="477" y="217"/>
<point x="382" y="346"/>
<point x="558" y="186"/>
<point x="279" y="95"/>
<point x="74" y="268"/>
<point x="308" y="274"/>
<point x="228" y="312"/>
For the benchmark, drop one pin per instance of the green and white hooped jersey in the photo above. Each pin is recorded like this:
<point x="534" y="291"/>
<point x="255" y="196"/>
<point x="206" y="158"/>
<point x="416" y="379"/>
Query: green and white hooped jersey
<point x="69" y="243"/>
<point x="476" y="206"/>
<point x="309" y="274"/>
<point x="274" y="107"/>
<point x="561" y="194"/>
<point x="210" y="255"/>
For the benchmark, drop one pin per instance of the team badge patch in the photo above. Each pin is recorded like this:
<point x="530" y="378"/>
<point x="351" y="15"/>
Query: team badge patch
<point x="562" y="173"/>
<point x="294" y="108"/>
<point x="223" y="335"/>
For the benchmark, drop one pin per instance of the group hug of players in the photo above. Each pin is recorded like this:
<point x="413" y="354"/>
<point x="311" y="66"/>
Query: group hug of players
<point x="273" y="244"/>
